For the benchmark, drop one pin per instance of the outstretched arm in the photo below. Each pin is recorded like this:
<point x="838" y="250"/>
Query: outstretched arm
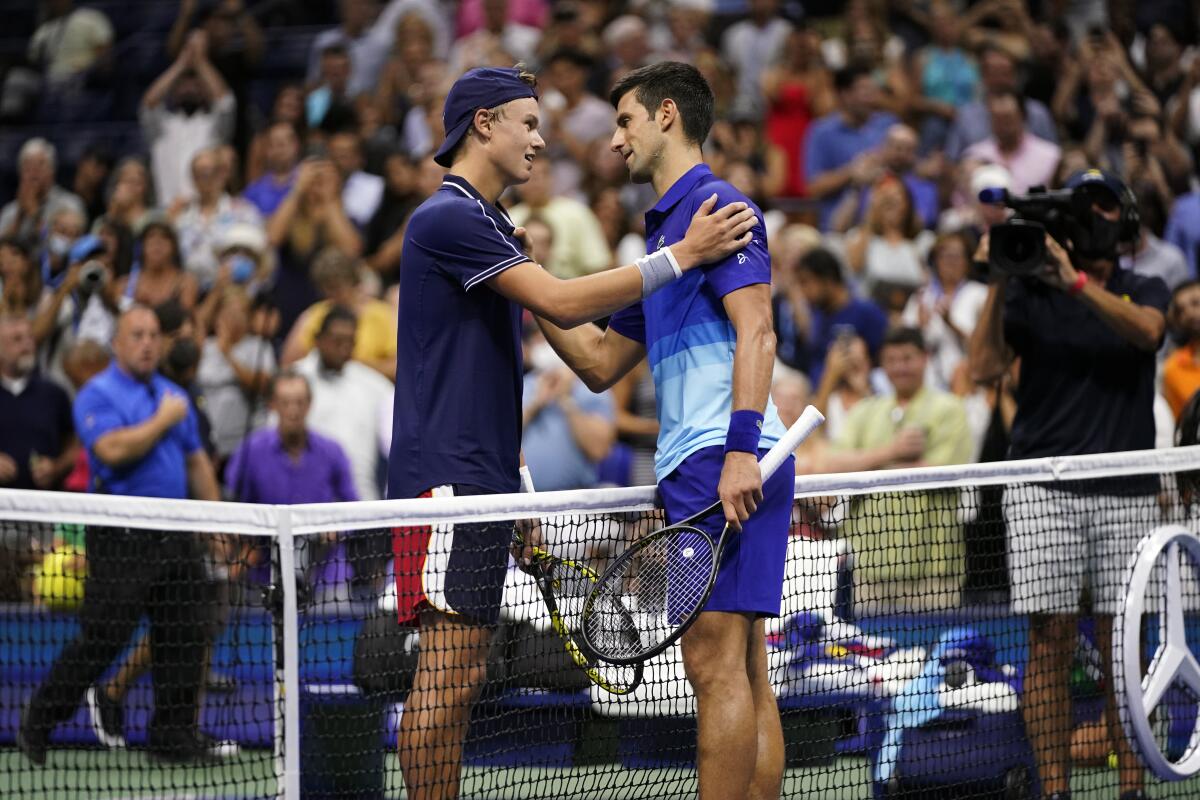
<point x="712" y="236"/>
<point x="599" y="357"/>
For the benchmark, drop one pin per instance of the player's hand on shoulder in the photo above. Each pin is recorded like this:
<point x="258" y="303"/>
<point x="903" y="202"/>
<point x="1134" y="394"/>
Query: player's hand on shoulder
<point x="740" y="488"/>
<point x="715" y="234"/>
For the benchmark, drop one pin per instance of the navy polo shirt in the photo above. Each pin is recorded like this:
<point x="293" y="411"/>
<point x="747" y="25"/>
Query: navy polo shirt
<point x="1083" y="388"/>
<point x="688" y="336"/>
<point x="114" y="399"/>
<point x="457" y="414"/>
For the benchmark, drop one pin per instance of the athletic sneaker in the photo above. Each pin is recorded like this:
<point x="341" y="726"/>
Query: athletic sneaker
<point x="219" y="748"/>
<point x="107" y="716"/>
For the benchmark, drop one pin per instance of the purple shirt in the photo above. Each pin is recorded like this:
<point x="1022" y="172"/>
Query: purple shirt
<point x="266" y="193"/>
<point x="261" y="471"/>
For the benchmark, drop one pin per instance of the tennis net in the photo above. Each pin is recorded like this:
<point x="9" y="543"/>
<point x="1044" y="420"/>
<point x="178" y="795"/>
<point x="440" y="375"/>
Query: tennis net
<point x="899" y="663"/>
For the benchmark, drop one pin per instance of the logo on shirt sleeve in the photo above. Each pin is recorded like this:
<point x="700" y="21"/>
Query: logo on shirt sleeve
<point x="661" y="241"/>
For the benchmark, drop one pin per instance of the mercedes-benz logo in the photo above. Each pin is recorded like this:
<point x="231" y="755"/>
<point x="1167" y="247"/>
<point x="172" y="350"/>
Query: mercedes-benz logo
<point x="1173" y="662"/>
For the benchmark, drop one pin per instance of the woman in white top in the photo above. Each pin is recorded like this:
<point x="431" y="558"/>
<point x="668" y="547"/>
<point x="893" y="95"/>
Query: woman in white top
<point x="947" y="308"/>
<point x="886" y="253"/>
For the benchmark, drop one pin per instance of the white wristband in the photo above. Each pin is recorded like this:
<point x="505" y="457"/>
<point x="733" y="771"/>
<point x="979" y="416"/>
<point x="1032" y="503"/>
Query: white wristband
<point x="674" y="264"/>
<point x="658" y="269"/>
<point x="526" y="479"/>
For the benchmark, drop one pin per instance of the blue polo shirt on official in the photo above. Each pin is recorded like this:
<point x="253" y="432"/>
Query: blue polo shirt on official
<point x="114" y="399"/>
<point x="457" y="414"/>
<point x="688" y="336"/>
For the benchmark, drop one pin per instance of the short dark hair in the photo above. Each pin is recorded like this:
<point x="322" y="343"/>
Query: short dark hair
<point x="821" y="263"/>
<point x="287" y="374"/>
<point x="676" y="81"/>
<point x="335" y="315"/>
<point x="572" y="55"/>
<point x="847" y="76"/>
<point x="896" y="337"/>
<point x="1005" y="94"/>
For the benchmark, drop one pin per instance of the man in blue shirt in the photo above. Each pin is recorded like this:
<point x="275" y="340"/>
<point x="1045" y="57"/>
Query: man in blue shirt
<point x="142" y="439"/>
<point x="457" y="415"/>
<point x="834" y="310"/>
<point x="838" y="152"/>
<point x="711" y="348"/>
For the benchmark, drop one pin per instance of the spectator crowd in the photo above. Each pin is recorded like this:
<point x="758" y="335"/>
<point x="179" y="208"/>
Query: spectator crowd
<point x="260" y="212"/>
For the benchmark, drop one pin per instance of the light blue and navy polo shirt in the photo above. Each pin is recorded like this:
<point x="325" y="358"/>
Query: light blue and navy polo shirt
<point x="688" y="336"/>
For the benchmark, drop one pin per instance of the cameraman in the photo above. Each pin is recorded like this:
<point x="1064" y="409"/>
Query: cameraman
<point x="1086" y="331"/>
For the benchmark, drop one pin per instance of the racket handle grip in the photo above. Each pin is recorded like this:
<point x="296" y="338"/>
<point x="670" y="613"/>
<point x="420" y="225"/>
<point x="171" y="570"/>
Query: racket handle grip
<point x="808" y="422"/>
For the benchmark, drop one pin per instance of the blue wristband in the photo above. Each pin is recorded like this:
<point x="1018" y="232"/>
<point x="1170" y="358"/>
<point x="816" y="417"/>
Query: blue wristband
<point x="745" y="428"/>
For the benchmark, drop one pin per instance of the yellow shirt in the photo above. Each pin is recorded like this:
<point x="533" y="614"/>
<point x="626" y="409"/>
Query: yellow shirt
<point x="375" y="339"/>
<point x="908" y="535"/>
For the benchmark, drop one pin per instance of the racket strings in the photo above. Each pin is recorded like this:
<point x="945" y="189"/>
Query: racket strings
<point x="658" y="586"/>
<point x="571" y="586"/>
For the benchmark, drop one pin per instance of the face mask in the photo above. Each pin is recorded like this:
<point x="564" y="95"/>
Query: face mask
<point x="58" y="245"/>
<point x="241" y="268"/>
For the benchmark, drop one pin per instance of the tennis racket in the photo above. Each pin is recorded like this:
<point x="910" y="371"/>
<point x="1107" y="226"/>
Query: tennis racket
<point x="565" y="586"/>
<point x="665" y="578"/>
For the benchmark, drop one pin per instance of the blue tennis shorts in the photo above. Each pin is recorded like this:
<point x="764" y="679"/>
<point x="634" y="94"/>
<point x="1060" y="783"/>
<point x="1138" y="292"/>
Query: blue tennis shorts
<point x="750" y="579"/>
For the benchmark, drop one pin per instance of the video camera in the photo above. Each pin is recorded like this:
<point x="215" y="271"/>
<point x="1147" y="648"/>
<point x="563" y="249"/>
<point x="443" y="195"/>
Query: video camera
<point x="1018" y="246"/>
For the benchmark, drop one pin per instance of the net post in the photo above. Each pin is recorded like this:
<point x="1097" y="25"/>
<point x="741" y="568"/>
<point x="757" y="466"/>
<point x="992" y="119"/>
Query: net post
<point x="291" y="658"/>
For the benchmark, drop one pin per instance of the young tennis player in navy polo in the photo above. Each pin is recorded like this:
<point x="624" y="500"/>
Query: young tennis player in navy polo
<point x="464" y="276"/>
<point x="711" y="348"/>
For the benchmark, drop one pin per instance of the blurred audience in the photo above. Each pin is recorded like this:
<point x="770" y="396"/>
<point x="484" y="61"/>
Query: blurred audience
<point x="188" y="108"/>
<point x="338" y="278"/>
<point x="38" y="196"/>
<point x="567" y="429"/>
<point x="347" y="397"/>
<point x="37" y="435"/>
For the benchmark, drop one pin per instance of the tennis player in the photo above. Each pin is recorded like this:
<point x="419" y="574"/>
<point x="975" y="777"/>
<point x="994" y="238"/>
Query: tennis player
<point x="457" y="416"/>
<point x="711" y="347"/>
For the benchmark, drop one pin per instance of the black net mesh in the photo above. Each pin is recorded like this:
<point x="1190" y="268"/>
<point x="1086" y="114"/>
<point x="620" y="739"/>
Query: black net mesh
<point x="136" y="662"/>
<point x="946" y="642"/>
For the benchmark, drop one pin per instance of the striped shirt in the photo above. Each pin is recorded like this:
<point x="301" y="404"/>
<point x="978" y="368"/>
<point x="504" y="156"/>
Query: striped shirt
<point x="688" y="336"/>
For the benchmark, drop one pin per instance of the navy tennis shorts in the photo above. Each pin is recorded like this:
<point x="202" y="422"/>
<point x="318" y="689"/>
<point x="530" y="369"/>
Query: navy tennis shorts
<point x="750" y="579"/>
<point x="457" y="569"/>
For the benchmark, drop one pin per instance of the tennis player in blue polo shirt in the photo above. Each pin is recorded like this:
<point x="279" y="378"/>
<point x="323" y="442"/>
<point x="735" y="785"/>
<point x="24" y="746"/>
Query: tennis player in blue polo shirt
<point x="711" y="348"/>
<point x="457" y="420"/>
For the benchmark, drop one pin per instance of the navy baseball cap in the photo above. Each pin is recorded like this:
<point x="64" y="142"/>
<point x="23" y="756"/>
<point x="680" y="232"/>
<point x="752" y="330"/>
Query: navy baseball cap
<point x="1092" y="179"/>
<point x="483" y="87"/>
